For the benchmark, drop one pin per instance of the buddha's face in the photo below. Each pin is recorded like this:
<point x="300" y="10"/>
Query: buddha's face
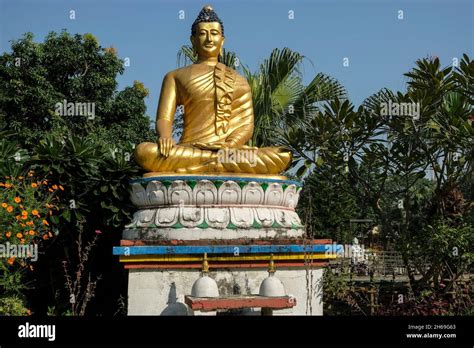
<point x="208" y="40"/>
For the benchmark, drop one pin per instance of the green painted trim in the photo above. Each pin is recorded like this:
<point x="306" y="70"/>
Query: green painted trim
<point x="191" y="183"/>
<point x="203" y="224"/>
<point x="277" y="225"/>
<point x="217" y="183"/>
<point x="264" y="186"/>
<point x="167" y="183"/>
<point x="177" y="225"/>
<point x="242" y="184"/>
<point x="231" y="226"/>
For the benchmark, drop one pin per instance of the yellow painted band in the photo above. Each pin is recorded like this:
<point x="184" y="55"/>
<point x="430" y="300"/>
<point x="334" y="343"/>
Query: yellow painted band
<point x="189" y="258"/>
<point x="226" y="174"/>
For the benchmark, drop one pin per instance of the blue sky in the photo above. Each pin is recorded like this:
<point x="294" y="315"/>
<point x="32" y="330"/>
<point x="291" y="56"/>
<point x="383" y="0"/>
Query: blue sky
<point x="379" y="45"/>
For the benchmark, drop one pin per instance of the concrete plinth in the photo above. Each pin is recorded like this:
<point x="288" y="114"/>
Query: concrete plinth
<point x="239" y="223"/>
<point x="161" y="292"/>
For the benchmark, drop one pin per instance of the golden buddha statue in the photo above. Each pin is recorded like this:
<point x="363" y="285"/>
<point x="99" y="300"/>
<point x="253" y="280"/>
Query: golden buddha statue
<point x="218" y="116"/>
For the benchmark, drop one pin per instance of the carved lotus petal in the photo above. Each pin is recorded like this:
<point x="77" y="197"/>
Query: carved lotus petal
<point x="274" y="194"/>
<point x="138" y="195"/>
<point x="156" y="193"/>
<point x="253" y="193"/>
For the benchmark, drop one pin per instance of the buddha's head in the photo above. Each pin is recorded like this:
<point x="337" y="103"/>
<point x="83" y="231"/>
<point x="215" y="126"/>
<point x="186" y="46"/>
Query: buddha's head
<point x="207" y="34"/>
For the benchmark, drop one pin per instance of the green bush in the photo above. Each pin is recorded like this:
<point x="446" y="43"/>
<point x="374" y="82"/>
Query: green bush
<point x="13" y="305"/>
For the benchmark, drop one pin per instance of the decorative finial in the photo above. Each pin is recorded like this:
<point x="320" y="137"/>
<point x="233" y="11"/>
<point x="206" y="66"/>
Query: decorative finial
<point x="205" y="264"/>
<point x="208" y="8"/>
<point x="271" y="266"/>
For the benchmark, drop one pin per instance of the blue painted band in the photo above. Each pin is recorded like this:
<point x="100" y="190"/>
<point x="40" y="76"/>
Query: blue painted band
<point x="221" y="178"/>
<point x="227" y="249"/>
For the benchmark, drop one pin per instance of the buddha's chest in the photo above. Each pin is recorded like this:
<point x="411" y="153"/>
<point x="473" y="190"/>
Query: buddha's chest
<point x="196" y="88"/>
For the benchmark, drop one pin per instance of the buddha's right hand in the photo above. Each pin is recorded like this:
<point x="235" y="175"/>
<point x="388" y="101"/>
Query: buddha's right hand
<point x="165" y="144"/>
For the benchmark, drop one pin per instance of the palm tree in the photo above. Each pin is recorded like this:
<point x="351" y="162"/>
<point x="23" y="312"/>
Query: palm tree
<point x="280" y="99"/>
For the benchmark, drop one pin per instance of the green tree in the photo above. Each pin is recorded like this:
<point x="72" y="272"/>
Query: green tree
<point x="35" y="77"/>
<point x="90" y="157"/>
<point x="384" y="159"/>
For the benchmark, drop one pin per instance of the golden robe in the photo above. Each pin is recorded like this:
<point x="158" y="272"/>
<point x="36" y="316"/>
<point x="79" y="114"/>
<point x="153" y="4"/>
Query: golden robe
<point x="217" y="104"/>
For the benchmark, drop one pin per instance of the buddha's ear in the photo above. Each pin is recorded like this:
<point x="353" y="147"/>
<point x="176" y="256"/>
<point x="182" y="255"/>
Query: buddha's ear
<point x="221" y="53"/>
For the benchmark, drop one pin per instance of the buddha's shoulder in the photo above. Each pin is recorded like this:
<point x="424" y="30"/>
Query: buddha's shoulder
<point x="179" y="72"/>
<point x="186" y="73"/>
<point x="241" y="83"/>
<point x="240" y="80"/>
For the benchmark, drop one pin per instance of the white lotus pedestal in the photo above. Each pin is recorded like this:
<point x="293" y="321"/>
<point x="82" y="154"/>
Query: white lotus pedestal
<point x="239" y="223"/>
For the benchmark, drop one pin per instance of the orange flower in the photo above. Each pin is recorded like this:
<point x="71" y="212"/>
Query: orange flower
<point x="30" y="223"/>
<point x="61" y="188"/>
<point x="17" y="199"/>
<point x="24" y="217"/>
<point x="22" y="225"/>
<point x="34" y="185"/>
<point x="11" y="260"/>
<point x="45" y="182"/>
<point x="31" y="232"/>
<point x="35" y="212"/>
<point x="21" y="206"/>
<point x="2" y="184"/>
<point x="8" y="234"/>
<point x="22" y="241"/>
<point x="45" y="223"/>
<point x="45" y="237"/>
<point x="10" y="209"/>
<point x="4" y="205"/>
<point x="19" y="235"/>
<point x="24" y="213"/>
<point x="55" y="187"/>
<point x="20" y="178"/>
<point x="50" y="190"/>
<point x="7" y="185"/>
<point x="18" y="217"/>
